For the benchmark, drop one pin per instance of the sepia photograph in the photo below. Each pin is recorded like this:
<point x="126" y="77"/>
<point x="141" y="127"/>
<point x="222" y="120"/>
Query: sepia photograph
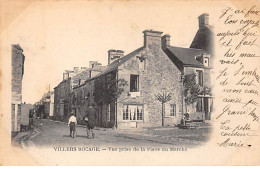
<point x="110" y="79"/>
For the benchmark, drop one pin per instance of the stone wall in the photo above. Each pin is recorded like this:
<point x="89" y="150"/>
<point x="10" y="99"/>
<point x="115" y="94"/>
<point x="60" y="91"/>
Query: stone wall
<point x="159" y="74"/>
<point x="17" y="76"/>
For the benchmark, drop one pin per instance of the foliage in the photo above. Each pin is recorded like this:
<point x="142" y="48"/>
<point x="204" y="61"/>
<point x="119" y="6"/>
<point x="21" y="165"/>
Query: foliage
<point x="106" y="91"/>
<point x="164" y="97"/>
<point x="191" y="88"/>
<point x="205" y="91"/>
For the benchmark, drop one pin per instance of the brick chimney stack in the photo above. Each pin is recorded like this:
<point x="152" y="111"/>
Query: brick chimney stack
<point x="203" y="20"/>
<point x="76" y="69"/>
<point x="114" y="55"/>
<point x="152" y="38"/>
<point x="166" y="41"/>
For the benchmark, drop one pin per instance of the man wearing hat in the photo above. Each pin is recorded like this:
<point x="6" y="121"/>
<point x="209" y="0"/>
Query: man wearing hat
<point x="72" y="123"/>
<point x="90" y="119"/>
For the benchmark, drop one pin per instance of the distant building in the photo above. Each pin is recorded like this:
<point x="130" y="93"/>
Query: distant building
<point x="48" y="103"/>
<point x="25" y="114"/>
<point x="17" y="77"/>
<point x="44" y="108"/>
<point x="63" y="96"/>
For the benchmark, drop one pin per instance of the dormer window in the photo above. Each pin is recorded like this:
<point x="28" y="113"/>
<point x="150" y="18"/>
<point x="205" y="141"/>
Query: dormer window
<point x="206" y="61"/>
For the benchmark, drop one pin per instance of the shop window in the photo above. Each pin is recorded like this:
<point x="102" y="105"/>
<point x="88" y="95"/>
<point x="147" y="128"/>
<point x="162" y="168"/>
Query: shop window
<point x="133" y="112"/>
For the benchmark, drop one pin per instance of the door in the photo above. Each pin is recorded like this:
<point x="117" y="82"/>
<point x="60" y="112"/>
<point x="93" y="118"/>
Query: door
<point x="206" y="108"/>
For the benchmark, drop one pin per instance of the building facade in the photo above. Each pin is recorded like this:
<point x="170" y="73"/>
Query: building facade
<point x="198" y="60"/>
<point x="145" y="88"/>
<point x="45" y="107"/>
<point x="17" y="77"/>
<point x="63" y="93"/>
<point x="25" y="114"/>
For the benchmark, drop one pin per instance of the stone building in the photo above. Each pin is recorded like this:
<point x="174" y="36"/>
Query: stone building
<point x="204" y="38"/>
<point x="48" y="104"/>
<point x="17" y="77"/>
<point x="154" y="68"/>
<point x="25" y="114"/>
<point x="44" y="108"/>
<point x="63" y="96"/>
<point x="197" y="59"/>
<point x="148" y="71"/>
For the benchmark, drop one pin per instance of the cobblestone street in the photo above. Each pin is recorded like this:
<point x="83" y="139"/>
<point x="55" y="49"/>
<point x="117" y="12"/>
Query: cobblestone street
<point x="48" y="133"/>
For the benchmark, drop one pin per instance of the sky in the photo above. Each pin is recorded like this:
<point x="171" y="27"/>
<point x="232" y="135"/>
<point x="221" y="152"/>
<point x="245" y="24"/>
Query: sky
<point x="60" y="35"/>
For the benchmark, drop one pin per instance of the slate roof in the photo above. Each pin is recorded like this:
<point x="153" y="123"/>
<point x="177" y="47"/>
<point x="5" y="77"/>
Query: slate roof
<point x="17" y="46"/>
<point x="204" y="39"/>
<point x="184" y="56"/>
<point x="113" y="66"/>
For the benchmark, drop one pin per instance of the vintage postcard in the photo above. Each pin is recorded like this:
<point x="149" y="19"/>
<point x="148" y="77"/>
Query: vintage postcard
<point x="129" y="82"/>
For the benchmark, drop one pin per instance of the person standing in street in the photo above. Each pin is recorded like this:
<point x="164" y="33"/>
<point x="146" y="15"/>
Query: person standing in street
<point x="90" y="119"/>
<point x="72" y="124"/>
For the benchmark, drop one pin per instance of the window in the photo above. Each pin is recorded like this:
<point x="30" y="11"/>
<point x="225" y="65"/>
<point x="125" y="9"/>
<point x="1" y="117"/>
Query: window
<point x="13" y="108"/>
<point x="108" y="112"/>
<point x="108" y="81"/>
<point x="108" y="77"/>
<point x="134" y="83"/>
<point x="199" y="74"/>
<point x="19" y="109"/>
<point x="141" y="64"/>
<point x="125" y="112"/>
<point x="206" y="61"/>
<point x="199" y="104"/>
<point x="133" y="112"/>
<point x="170" y="110"/>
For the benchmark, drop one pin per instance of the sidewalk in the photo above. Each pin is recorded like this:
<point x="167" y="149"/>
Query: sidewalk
<point x="21" y="137"/>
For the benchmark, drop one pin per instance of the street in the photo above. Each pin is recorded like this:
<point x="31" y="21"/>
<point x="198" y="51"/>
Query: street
<point x="48" y="133"/>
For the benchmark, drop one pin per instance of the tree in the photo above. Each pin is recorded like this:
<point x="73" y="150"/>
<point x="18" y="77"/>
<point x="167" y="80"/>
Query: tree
<point x="191" y="89"/>
<point x="206" y="91"/>
<point x="163" y="98"/>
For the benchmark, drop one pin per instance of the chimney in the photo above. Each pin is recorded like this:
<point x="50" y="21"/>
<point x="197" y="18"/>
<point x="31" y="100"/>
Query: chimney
<point x="92" y="63"/>
<point x="203" y="20"/>
<point x="114" y="55"/>
<point x="76" y="69"/>
<point x="166" y="41"/>
<point x="65" y="75"/>
<point x="152" y="38"/>
<point x="84" y="68"/>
